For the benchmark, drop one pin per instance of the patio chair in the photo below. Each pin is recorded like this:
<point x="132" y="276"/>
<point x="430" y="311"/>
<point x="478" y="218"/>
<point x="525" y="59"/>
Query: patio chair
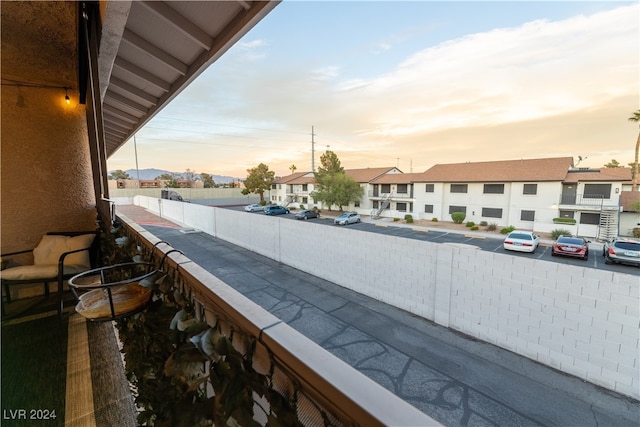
<point x="58" y="257"/>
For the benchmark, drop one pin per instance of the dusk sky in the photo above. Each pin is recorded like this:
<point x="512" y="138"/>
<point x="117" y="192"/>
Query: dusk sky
<point x="408" y="84"/>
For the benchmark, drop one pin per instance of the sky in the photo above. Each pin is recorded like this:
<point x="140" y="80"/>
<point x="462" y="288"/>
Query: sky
<point x="410" y="85"/>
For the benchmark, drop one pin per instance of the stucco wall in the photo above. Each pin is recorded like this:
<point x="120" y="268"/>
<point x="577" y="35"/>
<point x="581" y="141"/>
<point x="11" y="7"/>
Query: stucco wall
<point x="46" y="182"/>
<point x="578" y="320"/>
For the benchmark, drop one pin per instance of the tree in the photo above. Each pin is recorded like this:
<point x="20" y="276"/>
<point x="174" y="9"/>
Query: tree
<point x="171" y="183"/>
<point x="612" y="164"/>
<point x="259" y="180"/>
<point x="293" y="168"/>
<point x="189" y="175"/>
<point x="333" y="186"/>
<point x="119" y="174"/>
<point x="166" y="177"/>
<point x="635" y="117"/>
<point x="207" y="180"/>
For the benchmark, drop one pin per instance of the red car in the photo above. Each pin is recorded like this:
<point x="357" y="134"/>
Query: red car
<point x="571" y="246"/>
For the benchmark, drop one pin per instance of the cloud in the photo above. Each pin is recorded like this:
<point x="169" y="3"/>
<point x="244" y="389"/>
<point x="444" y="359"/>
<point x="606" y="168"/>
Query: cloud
<point x="542" y="89"/>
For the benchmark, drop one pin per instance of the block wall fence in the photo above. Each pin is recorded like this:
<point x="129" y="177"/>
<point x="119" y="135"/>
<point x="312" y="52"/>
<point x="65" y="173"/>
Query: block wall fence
<point x="581" y="321"/>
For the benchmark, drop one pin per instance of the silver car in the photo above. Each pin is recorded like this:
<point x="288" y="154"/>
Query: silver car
<point x="622" y="250"/>
<point x="347" y="218"/>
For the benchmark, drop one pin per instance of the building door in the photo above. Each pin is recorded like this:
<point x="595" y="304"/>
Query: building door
<point x="569" y="192"/>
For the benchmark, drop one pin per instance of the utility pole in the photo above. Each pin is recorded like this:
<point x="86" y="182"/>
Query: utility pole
<point x="135" y="150"/>
<point x="313" y="151"/>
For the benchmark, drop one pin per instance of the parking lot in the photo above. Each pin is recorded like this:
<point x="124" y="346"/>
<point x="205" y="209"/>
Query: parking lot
<point x="470" y="240"/>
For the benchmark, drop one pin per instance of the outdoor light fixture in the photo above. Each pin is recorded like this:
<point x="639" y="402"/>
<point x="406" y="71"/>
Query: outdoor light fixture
<point x="66" y="96"/>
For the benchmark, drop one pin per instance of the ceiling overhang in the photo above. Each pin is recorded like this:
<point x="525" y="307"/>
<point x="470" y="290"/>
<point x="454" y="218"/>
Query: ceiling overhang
<point x="151" y="50"/>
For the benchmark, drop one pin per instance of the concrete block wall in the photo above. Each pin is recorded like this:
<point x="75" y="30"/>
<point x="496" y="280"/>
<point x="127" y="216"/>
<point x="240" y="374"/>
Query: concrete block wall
<point x="581" y="321"/>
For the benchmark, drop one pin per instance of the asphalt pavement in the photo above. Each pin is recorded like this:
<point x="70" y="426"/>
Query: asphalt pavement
<point x="452" y="378"/>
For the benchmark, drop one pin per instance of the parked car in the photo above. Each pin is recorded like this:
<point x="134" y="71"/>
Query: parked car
<point x="254" y="208"/>
<point x="521" y="241"/>
<point x="347" y="218"/>
<point x="306" y="214"/>
<point x="571" y="246"/>
<point x="276" y="210"/>
<point x="622" y="250"/>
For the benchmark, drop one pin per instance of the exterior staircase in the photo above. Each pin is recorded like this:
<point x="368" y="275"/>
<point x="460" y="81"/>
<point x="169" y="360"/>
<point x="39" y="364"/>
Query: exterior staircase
<point x="608" y="227"/>
<point x="290" y="199"/>
<point x="384" y="203"/>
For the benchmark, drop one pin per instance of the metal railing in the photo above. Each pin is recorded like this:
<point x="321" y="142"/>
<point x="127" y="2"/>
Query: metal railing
<point x="322" y="389"/>
<point x="593" y="200"/>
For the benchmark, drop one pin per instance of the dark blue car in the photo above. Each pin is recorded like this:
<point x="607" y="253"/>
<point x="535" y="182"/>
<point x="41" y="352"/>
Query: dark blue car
<point x="275" y="210"/>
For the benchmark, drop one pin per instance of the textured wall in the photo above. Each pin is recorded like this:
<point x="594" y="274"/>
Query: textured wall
<point x="46" y="182"/>
<point x="578" y="320"/>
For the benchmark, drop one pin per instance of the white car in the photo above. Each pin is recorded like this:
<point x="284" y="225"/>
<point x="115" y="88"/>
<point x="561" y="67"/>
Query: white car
<point x="347" y="218"/>
<point x="522" y="241"/>
<point x="254" y="208"/>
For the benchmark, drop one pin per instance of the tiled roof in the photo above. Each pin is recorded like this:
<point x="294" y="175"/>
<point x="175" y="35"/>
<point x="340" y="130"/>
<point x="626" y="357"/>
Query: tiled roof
<point x="358" y="175"/>
<point x="398" y="178"/>
<point x="627" y="198"/>
<point x="288" y="178"/>
<point x="604" y="174"/>
<point x="368" y="174"/>
<point x="553" y="169"/>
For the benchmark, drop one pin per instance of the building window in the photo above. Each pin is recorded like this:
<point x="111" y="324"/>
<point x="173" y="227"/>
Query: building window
<point x="530" y="189"/>
<point x="492" y="212"/>
<point x="493" y="189"/>
<point x="589" y="218"/>
<point x="356" y="204"/>
<point x="375" y="204"/>
<point x="273" y="186"/>
<point x="402" y="188"/>
<point x="458" y="188"/>
<point x="401" y="207"/>
<point x="527" y="215"/>
<point x="453" y="209"/>
<point x="428" y="208"/>
<point x="429" y="188"/>
<point x="305" y="200"/>
<point x="385" y="188"/>
<point x="567" y="214"/>
<point x="304" y="187"/>
<point x="597" y="191"/>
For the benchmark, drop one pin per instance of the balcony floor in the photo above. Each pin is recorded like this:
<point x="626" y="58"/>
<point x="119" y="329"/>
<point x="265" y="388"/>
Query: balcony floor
<point x="61" y="372"/>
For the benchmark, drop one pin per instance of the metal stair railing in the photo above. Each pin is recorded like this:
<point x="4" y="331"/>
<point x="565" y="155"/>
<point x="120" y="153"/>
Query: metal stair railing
<point x="384" y="203"/>
<point x="608" y="226"/>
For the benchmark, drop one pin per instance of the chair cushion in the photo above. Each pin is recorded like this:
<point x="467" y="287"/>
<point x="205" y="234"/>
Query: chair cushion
<point x="34" y="272"/>
<point x="51" y="247"/>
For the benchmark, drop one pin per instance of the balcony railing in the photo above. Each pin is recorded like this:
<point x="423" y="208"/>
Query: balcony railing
<point x="592" y="200"/>
<point x="322" y="389"/>
<point x="394" y="196"/>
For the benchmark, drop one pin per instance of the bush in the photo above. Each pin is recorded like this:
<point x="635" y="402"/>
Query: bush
<point x="474" y="227"/>
<point x="301" y="206"/>
<point x="396" y="219"/>
<point x="492" y="227"/>
<point x="636" y="232"/>
<point x="564" y="221"/>
<point x="458" y="217"/>
<point x="434" y="219"/>
<point x="408" y="218"/>
<point x="470" y="224"/>
<point x="507" y="230"/>
<point x="483" y="223"/>
<point x="559" y="232"/>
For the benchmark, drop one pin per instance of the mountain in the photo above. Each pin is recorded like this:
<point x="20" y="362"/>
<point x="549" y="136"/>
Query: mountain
<point x="154" y="173"/>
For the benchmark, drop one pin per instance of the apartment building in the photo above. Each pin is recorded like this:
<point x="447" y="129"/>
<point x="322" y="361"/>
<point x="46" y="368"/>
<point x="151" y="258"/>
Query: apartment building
<point x="529" y="194"/>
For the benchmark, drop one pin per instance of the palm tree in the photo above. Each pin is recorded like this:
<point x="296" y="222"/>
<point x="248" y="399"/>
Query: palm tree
<point x="635" y="117"/>
<point x="293" y="168"/>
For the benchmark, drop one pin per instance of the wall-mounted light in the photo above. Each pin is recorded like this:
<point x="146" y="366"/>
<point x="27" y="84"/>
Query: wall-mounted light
<point x="617" y="190"/>
<point x="66" y="96"/>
